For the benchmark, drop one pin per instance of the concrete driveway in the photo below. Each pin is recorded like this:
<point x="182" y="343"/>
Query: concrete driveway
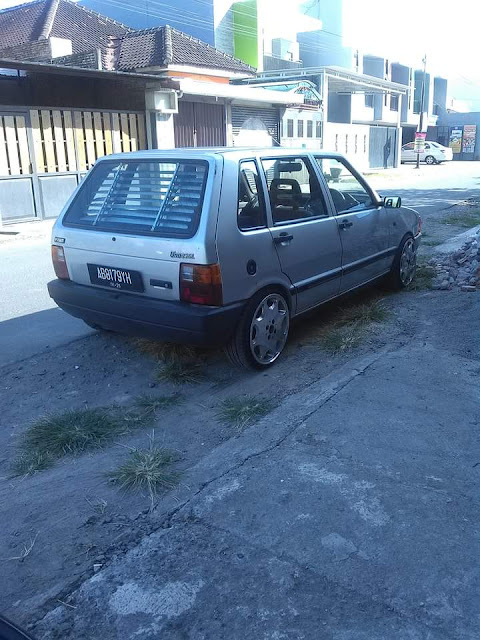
<point x="350" y="513"/>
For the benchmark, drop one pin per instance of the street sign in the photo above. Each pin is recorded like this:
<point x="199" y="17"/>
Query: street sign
<point x="419" y="146"/>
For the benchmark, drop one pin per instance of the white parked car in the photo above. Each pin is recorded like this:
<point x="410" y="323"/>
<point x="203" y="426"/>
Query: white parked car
<point x="434" y="153"/>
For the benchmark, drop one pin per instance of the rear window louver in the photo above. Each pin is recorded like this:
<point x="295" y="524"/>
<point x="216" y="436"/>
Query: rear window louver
<point x="147" y="197"/>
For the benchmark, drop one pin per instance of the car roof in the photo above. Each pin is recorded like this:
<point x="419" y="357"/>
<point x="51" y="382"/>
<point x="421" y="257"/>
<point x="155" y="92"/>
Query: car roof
<point x="212" y="152"/>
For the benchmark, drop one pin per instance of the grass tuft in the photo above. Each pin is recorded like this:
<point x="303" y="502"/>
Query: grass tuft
<point x="347" y="330"/>
<point x="181" y="373"/>
<point x="364" y="314"/>
<point x="68" y="433"/>
<point x="242" y="412"/>
<point x="146" y="471"/>
<point x="165" y="351"/>
<point x="30" y="462"/>
<point x="466" y="219"/>
<point x="149" y="405"/>
<point x="339" y="339"/>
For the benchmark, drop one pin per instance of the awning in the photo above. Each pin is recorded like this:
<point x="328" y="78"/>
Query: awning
<point x="339" y="80"/>
<point x="343" y="81"/>
<point x="238" y="93"/>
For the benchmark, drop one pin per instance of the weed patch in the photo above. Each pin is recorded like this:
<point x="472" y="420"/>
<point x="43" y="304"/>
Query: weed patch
<point x="363" y="314"/>
<point x="181" y="373"/>
<point x="146" y="471"/>
<point x="347" y="330"/>
<point x="242" y="412"/>
<point x="466" y="219"/>
<point x="339" y="339"/>
<point x="165" y="351"/>
<point x="66" y="434"/>
<point x="30" y="462"/>
<point x="149" y="405"/>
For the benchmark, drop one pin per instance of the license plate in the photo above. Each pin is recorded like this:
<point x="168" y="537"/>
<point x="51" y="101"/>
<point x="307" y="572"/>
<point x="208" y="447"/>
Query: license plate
<point x="115" y="278"/>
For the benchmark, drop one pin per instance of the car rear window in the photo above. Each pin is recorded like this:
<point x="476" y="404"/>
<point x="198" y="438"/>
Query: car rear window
<point x="141" y="196"/>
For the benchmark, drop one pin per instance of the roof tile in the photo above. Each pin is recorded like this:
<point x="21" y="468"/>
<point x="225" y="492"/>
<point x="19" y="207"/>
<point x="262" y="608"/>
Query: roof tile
<point x="59" y="18"/>
<point x="165" y="45"/>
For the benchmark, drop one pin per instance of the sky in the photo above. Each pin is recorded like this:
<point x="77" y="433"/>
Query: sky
<point x="403" y="31"/>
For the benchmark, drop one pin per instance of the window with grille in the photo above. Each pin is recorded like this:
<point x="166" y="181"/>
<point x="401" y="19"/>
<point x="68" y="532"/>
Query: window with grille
<point x="309" y="129"/>
<point x="290" y="128"/>
<point x="146" y="197"/>
<point x="300" y="129"/>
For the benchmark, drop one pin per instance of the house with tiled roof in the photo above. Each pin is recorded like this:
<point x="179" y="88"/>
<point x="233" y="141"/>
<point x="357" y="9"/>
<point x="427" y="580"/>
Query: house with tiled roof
<point x="167" y="49"/>
<point x="46" y="29"/>
<point x="76" y="85"/>
<point x="67" y="33"/>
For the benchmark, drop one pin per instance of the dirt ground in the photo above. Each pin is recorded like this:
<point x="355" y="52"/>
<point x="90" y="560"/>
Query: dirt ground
<point x="70" y="517"/>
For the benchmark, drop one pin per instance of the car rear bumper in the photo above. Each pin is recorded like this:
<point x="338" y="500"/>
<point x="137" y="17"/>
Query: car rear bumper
<point x="147" y="317"/>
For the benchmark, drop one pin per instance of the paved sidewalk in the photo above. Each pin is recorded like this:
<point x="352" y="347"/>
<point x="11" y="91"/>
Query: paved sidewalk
<point x="350" y="513"/>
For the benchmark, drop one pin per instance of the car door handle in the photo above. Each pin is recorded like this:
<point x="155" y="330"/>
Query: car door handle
<point x="283" y="238"/>
<point x="344" y="224"/>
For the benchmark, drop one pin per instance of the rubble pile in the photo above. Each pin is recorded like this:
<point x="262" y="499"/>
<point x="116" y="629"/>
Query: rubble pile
<point x="459" y="269"/>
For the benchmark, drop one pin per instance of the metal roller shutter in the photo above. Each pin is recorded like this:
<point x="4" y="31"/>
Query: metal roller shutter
<point x="269" y="116"/>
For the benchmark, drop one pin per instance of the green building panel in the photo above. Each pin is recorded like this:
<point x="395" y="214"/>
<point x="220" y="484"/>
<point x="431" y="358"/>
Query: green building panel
<point x="245" y="31"/>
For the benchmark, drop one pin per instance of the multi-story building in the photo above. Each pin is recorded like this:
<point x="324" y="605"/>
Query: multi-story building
<point x="241" y="28"/>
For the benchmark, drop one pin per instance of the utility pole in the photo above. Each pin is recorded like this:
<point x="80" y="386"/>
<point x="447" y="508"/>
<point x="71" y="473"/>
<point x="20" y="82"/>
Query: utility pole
<point x="422" y="103"/>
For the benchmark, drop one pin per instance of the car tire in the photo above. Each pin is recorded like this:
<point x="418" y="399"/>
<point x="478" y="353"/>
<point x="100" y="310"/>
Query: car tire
<point x="430" y="160"/>
<point x="404" y="265"/>
<point x="262" y="331"/>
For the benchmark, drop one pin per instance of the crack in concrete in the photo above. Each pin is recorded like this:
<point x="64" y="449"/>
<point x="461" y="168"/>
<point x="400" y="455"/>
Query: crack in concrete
<point x="167" y="522"/>
<point x="281" y="440"/>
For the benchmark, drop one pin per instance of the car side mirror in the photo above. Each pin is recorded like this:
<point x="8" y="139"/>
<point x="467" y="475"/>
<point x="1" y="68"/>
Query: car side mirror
<point x="392" y="202"/>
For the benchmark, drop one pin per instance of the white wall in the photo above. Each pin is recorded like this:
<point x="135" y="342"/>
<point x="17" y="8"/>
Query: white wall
<point x="350" y="139"/>
<point x="359" y="110"/>
<point x="367" y="114"/>
<point x="303" y="142"/>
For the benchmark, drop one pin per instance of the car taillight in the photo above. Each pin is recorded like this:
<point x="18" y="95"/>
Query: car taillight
<point x="201" y="284"/>
<point x="442" y="150"/>
<point x="420" y="223"/>
<point x="59" y="264"/>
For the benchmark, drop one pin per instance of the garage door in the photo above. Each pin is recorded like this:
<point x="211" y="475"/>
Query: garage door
<point x="199" y="124"/>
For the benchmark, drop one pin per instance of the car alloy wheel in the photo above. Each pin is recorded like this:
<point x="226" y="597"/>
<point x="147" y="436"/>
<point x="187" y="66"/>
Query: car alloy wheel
<point x="430" y="160"/>
<point x="408" y="262"/>
<point x="269" y="328"/>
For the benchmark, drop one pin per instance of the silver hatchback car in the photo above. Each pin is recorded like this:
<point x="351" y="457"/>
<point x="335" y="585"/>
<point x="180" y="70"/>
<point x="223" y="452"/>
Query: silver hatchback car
<point x="224" y="246"/>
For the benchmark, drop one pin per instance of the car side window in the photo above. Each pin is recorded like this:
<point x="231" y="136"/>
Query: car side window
<point x="251" y="207"/>
<point x="294" y="191"/>
<point x="348" y="193"/>
<point x="427" y="146"/>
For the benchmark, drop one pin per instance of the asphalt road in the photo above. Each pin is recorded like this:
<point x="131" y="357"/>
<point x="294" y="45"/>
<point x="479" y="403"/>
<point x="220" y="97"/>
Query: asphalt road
<point x="30" y="323"/>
